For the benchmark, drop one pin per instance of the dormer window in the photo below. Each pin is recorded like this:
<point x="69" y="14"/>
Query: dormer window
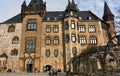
<point x="80" y="18"/>
<point x="48" y="18"/>
<point x="89" y="18"/>
<point x="71" y="13"/>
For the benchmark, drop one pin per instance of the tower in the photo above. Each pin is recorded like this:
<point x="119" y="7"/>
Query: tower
<point x="108" y="17"/>
<point x="34" y="7"/>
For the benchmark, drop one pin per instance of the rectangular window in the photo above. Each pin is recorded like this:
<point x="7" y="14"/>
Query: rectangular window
<point x="67" y="38"/>
<point x="93" y="40"/>
<point x="66" y="26"/>
<point x="73" y="36"/>
<point x="56" y="40"/>
<point x="92" y="29"/>
<point x="55" y="28"/>
<point x="48" y="41"/>
<point x="31" y="24"/>
<point x="48" y="28"/>
<point x="72" y="24"/>
<point x="30" y="44"/>
<point x="81" y="28"/>
<point x="82" y="40"/>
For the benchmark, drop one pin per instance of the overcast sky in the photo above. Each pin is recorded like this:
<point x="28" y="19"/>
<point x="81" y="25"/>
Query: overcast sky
<point x="10" y="8"/>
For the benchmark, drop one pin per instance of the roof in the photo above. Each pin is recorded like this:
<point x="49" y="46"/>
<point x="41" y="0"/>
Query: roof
<point x="3" y="55"/>
<point x="60" y="15"/>
<point x="107" y="11"/>
<point x="15" y="19"/>
<point x="57" y="16"/>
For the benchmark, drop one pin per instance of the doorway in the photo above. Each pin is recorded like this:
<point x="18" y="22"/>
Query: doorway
<point x="47" y="68"/>
<point x="29" y="68"/>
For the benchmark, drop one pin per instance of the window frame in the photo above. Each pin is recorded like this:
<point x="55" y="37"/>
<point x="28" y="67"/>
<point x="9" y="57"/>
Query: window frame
<point x="30" y="44"/>
<point x="56" y="40"/>
<point x="81" y="28"/>
<point x="93" y="40"/>
<point x="15" y="40"/>
<point x="14" y="52"/>
<point x="48" y="28"/>
<point x="82" y="40"/>
<point x="73" y="24"/>
<point x="73" y="37"/>
<point x="56" y="53"/>
<point x="31" y="25"/>
<point x="55" y="28"/>
<point x="92" y="28"/>
<point x="48" y="52"/>
<point x="47" y="40"/>
<point x="11" y="28"/>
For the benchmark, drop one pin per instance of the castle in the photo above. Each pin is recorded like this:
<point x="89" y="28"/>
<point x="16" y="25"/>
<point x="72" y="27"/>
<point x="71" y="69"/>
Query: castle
<point x="37" y="39"/>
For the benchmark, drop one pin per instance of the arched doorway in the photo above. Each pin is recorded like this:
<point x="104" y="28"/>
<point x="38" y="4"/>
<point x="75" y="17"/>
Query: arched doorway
<point x="29" y="65"/>
<point x="47" y="68"/>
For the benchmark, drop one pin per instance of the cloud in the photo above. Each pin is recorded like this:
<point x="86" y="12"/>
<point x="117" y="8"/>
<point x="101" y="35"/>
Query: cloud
<point x="11" y="8"/>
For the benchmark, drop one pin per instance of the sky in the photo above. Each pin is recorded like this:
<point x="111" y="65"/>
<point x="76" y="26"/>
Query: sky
<point x="10" y="8"/>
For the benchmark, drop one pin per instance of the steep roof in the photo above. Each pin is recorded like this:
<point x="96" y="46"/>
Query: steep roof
<point x="107" y="11"/>
<point x="35" y="3"/>
<point x="15" y="19"/>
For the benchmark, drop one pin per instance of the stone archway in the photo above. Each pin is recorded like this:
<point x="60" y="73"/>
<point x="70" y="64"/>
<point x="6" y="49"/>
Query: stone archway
<point x="29" y="65"/>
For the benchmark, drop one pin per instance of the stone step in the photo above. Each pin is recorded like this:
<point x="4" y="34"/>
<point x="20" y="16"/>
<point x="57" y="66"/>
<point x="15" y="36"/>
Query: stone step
<point x="29" y="74"/>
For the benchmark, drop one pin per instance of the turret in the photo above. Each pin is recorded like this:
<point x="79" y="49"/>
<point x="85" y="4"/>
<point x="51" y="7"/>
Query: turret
<point x="108" y="17"/>
<point x="34" y="7"/>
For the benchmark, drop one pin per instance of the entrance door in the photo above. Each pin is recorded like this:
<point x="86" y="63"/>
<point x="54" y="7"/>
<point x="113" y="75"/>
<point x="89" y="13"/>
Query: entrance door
<point x="29" y="67"/>
<point x="48" y="67"/>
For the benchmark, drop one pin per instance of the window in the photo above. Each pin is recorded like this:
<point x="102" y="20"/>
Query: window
<point x="66" y="26"/>
<point x="30" y="44"/>
<point x="48" y="53"/>
<point x="56" y="40"/>
<point x="74" y="50"/>
<point x="73" y="37"/>
<point x="92" y="28"/>
<point x="55" y="28"/>
<point x="15" y="40"/>
<point x="48" y="40"/>
<point x="67" y="38"/>
<point x="72" y="24"/>
<point x="32" y="25"/>
<point x="48" y="28"/>
<point x="81" y="28"/>
<point x="11" y="28"/>
<point x="93" y="40"/>
<point x="14" y="52"/>
<point x="83" y="40"/>
<point x="56" y="53"/>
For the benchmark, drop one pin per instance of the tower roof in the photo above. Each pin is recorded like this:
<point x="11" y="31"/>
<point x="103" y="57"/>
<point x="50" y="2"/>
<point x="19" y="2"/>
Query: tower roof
<point x="107" y="11"/>
<point x="24" y="4"/>
<point x="71" y="6"/>
<point x="35" y="3"/>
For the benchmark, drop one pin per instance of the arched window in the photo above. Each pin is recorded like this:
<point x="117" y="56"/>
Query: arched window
<point x="47" y="53"/>
<point x="11" y="28"/>
<point x="14" y="52"/>
<point x="74" y="50"/>
<point x="56" y="53"/>
<point x="15" y="40"/>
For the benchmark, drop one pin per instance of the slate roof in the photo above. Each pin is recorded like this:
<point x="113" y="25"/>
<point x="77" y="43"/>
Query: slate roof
<point x="59" y="15"/>
<point x="107" y="11"/>
<point x="3" y="55"/>
<point x="15" y="19"/>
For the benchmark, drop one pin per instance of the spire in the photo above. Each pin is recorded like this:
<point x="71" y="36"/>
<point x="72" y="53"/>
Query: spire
<point x="35" y="3"/>
<point x="24" y="4"/>
<point x="71" y="7"/>
<point x="73" y="3"/>
<point x="107" y="11"/>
